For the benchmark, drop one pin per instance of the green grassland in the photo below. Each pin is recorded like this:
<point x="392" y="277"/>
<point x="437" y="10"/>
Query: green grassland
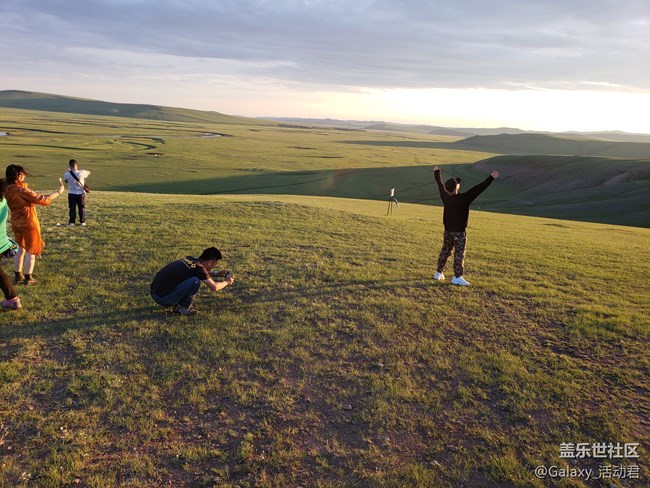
<point x="250" y="156"/>
<point x="335" y="360"/>
<point x="163" y="156"/>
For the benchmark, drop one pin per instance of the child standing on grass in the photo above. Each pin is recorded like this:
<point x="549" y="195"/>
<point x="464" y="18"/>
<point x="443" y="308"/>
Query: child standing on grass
<point x="7" y="249"/>
<point x="455" y="217"/>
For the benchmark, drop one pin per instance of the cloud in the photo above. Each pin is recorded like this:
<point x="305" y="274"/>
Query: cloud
<point x="380" y="43"/>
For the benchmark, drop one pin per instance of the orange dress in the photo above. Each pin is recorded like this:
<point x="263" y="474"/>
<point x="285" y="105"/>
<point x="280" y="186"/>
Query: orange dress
<point x="24" y="219"/>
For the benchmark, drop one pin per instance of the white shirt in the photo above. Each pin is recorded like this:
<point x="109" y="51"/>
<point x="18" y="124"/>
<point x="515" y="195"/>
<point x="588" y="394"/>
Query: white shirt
<point x="75" y="188"/>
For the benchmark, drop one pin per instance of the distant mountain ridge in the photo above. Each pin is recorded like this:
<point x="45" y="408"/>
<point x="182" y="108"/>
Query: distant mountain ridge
<point x="26" y="100"/>
<point x="58" y="103"/>
<point x="613" y="136"/>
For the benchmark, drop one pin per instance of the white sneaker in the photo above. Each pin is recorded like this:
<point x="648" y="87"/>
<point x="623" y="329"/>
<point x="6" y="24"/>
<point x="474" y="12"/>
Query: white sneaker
<point x="11" y="303"/>
<point x="459" y="281"/>
<point x="438" y="276"/>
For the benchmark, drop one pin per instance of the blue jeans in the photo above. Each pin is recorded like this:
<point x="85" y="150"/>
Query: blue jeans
<point x="182" y="295"/>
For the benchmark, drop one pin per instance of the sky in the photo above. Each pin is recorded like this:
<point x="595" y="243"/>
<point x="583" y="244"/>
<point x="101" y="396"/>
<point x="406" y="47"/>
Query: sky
<point x="550" y="65"/>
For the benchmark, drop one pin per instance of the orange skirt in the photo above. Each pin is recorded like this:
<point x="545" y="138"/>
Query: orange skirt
<point x="30" y="239"/>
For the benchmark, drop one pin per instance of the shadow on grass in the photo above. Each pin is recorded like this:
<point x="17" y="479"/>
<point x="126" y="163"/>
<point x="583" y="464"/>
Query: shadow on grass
<point x="413" y="184"/>
<point x="243" y="299"/>
<point x="616" y="202"/>
<point x="237" y="300"/>
<point x="72" y="321"/>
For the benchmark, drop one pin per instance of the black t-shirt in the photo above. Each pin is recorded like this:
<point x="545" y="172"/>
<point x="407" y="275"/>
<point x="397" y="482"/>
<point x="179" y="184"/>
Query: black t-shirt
<point x="175" y="273"/>
<point x="456" y="213"/>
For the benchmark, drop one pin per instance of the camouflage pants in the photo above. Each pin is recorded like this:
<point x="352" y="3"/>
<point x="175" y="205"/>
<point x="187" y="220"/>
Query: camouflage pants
<point x="456" y="241"/>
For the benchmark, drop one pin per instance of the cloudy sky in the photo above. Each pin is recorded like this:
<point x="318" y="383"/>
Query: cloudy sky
<point x="532" y="64"/>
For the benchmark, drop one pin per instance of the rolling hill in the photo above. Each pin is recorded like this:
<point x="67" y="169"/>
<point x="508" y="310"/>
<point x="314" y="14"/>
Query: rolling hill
<point x="58" y="103"/>
<point x="396" y="126"/>
<point x="545" y="144"/>
<point x="464" y="132"/>
<point x="582" y="187"/>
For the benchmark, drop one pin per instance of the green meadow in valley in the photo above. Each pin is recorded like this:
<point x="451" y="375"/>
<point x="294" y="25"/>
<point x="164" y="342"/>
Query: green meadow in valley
<point x="335" y="359"/>
<point x="248" y="156"/>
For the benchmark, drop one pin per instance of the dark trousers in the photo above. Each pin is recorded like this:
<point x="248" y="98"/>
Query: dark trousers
<point x="182" y="295"/>
<point x="456" y="241"/>
<point x="77" y="202"/>
<point x="6" y="286"/>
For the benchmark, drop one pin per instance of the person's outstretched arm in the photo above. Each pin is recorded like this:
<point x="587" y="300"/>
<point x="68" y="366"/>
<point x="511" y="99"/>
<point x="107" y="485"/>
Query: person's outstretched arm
<point x="219" y="285"/>
<point x="32" y="197"/>
<point x="475" y="191"/>
<point x="441" y="187"/>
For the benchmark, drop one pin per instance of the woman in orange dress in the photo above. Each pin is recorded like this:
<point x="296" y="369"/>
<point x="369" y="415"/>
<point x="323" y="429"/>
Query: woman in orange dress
<point x="24" y="221"/>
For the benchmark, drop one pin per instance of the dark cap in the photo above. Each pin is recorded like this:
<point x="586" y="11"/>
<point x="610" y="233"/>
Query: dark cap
<point x="450" y="184"/>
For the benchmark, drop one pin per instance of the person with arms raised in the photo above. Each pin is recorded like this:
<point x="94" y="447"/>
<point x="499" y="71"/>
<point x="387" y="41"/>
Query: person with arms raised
<point x="455" y="217"/>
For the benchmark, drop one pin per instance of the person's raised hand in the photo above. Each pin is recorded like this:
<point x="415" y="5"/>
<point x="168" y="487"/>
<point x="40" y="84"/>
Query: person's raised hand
<point x="494" y="174"/>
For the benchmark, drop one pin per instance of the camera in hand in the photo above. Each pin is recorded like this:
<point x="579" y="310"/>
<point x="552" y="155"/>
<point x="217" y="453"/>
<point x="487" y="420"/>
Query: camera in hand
<point x="222" y="274"/>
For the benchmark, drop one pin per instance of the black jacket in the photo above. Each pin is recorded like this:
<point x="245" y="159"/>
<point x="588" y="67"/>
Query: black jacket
<point x="456" y="211"/>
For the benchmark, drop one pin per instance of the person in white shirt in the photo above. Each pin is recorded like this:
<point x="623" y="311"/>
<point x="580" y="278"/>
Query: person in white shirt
<point x="76" y="192"/>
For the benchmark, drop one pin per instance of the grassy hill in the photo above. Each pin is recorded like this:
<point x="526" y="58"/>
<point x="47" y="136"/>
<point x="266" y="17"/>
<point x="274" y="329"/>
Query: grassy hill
<point x="334" y="360"/>
<point x="544" y="144"/>
<point x="58" y="103"/>
<point x="585" y="188"/>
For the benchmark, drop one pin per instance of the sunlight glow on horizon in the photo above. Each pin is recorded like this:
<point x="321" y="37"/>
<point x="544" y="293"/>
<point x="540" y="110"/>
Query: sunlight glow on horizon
<point x="539" y="110"/>
<point x="552" y="110"/>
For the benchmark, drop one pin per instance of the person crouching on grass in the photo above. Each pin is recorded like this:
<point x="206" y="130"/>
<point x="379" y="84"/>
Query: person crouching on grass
<point x="176" y="284"/>
<point x="455" y="217"/>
